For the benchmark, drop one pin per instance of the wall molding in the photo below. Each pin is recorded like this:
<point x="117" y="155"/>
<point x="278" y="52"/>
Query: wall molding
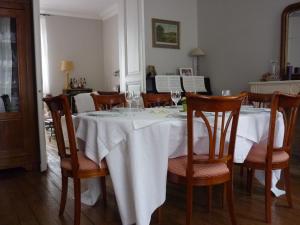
<point x="55" y="12"/>
<point x="109" y="12"/>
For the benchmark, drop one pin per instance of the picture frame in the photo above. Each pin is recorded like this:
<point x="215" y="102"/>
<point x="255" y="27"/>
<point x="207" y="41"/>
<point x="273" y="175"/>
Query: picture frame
<point x="165" y="34"/>
<point x="186" y="71"/>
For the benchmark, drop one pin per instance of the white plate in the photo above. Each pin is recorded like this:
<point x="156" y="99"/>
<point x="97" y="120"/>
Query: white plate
<point x="254" y="110"/>
<point x="103" y="114"/>
<point x="127" y="110"/>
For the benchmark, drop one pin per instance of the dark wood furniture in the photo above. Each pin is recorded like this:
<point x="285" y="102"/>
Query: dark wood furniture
<point x="75" y="165"/>
<point x="270" y="158"/>
<point x="19" y="143"/>
<point x="258" y="100"/>
<point x="108" y="92"/>
<point x="105" y="102"/>
<point x="284" y="39"/>
<point x="216" y="167"/>
<point x="72" y="92"/>
<point x="151" y="86"/>
<point x="153" y="100"/>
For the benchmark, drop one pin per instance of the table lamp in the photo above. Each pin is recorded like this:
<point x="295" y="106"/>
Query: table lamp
<point x="66" y="67"/>
<point x="196" y="53"/>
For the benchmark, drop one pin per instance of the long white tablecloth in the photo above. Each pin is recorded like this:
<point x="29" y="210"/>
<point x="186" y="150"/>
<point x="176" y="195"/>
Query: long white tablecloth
<point x="137" y="146"/>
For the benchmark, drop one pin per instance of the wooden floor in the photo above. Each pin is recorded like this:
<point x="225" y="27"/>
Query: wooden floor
<point x="32" y="198"/>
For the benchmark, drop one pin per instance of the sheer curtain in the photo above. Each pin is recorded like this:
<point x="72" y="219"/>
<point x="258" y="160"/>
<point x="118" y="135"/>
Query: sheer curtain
<point x="45" y="64"/>
<point x="5" y="60"/>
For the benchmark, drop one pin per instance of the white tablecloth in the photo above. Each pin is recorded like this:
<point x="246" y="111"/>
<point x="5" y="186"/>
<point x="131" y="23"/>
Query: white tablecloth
<point x="137" y="147"/>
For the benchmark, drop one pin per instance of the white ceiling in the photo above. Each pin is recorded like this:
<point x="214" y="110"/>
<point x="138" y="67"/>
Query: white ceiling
<point x="94" y="9"/>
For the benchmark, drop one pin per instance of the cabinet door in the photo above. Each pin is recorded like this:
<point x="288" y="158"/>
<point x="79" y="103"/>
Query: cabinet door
<point x="17" y="108"/>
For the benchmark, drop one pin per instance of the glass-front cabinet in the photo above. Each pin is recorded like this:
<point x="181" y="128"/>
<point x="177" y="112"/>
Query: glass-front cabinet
<point x="9" y="79"/>
<point x="18" y="105"/>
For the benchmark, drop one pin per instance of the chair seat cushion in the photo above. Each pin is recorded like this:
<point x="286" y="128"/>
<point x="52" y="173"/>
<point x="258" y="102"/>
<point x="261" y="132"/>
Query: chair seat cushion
<point x="206" y="170"/>
<point x="84" y="163"/>
<point x="258" y="154"/>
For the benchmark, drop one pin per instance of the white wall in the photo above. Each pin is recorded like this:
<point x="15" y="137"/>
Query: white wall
<point x="169" y="60"/>
<point x="79" y="40"/>
<point x="110" y="52"/>
<point x="239" y="38"/>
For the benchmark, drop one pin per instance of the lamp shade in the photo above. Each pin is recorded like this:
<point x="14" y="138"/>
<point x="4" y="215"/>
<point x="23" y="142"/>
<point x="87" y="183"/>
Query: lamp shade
<point x="197" y="52"/>
<point x="66" y="65"/>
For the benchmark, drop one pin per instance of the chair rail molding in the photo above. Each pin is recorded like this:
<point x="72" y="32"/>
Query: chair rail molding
<point x="132" y="44"/>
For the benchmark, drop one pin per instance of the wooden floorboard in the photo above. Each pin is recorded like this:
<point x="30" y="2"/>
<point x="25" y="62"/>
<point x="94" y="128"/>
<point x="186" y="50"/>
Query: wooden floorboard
<point x="32" y="198"/>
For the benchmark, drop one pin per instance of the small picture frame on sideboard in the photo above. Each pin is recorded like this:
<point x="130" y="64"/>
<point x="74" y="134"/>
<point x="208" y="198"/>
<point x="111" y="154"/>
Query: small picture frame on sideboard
<point x="186" y="71"/>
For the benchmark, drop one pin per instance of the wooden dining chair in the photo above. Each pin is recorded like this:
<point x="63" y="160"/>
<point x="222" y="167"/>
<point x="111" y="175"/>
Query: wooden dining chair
<point x="74" y="164"/>
<point x="258" y="100"/>
<point x="216" y="166"/>
<point x="106" y="102"/>
<point x="153" y="100"/>
<point x="268" y="157"/>
<point x="108" y="93"/>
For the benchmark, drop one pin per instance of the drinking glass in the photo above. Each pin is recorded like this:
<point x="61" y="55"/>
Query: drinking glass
<point x="129" y="97"/>
<point x="175" y="96"/>
<point x="226" y="93"/>
<point x="136" y="98"/>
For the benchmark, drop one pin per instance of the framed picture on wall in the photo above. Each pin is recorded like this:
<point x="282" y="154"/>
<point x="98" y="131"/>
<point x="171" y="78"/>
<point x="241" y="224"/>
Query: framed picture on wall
<point x="186" y="71"/>
<point x="165" y="34"/>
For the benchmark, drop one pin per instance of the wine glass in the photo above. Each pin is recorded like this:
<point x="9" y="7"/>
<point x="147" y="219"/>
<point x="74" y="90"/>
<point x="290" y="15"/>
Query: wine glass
<point x="226" y="93"/>
<point x="129" y="97"/>
<point x="175" y="96"/>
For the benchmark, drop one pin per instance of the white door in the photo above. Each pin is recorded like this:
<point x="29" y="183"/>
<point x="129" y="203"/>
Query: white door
<point x="132" y="53"/>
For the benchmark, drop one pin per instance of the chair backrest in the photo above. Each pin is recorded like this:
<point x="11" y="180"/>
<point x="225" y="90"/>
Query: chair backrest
<point x="59" y="107"/>
<point x="106" y="102"/>
<point x="259" y="100"/>
<point x="288" y="105"/>
<point x="84" y="102"/>
<point x="108" y="93"/>
<point x="153" y="100"/>
<point x="6" y="102"/>
<point x="224" y="119"/>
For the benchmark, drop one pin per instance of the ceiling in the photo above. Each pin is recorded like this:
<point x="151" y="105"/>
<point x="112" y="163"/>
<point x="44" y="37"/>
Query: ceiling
<point x="94" y="9"/>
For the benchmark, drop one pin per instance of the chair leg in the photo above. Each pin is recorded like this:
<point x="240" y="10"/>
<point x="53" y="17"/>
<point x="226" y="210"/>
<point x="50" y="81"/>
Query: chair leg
<point x="229" y="195"/>
<point x="189" y="203"/>
<point x="241" y="170"/>
<point x="287" y="184"/>
<point x="64" y="192"/>
<point x="223" y="195"/>
<point x="268" y="183"/>
<point x="209" y="197"/>
<point x="158" y="213"/>
<point x="250" y="175"/>
<point x="103" y="189"/>
<point x="77" y="208"/>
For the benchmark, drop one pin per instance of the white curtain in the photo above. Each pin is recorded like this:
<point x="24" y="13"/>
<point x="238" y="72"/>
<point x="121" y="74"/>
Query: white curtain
<point x="5" y="59"/>
<point x="45" y="64"/>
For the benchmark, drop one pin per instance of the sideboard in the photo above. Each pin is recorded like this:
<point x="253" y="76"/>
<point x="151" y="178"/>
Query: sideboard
<point x="287" y="86"/>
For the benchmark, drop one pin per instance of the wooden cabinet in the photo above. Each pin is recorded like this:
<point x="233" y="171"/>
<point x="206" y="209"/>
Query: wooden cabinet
<point x="18" y="107"/>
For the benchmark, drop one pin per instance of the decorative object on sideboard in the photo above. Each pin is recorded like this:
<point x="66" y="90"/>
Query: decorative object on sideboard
<point x="66" y="66"/>
<point x="186" y="71"/>
<point x="151" y="71"/>
<point x="165" y="34"/>
<point x="274" y="73"/>
<point x="78" y="83"/>
<point x="196" y="53"/>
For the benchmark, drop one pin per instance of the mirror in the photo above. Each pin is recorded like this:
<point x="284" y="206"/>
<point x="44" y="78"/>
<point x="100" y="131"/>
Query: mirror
<point x="290" y="42"/>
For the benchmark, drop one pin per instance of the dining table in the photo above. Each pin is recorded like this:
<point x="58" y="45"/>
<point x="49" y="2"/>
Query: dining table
<point x="137" y="143"/>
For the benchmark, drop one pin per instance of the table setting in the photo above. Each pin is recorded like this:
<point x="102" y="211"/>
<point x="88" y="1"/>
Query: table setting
<point x="138" y="142"/>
